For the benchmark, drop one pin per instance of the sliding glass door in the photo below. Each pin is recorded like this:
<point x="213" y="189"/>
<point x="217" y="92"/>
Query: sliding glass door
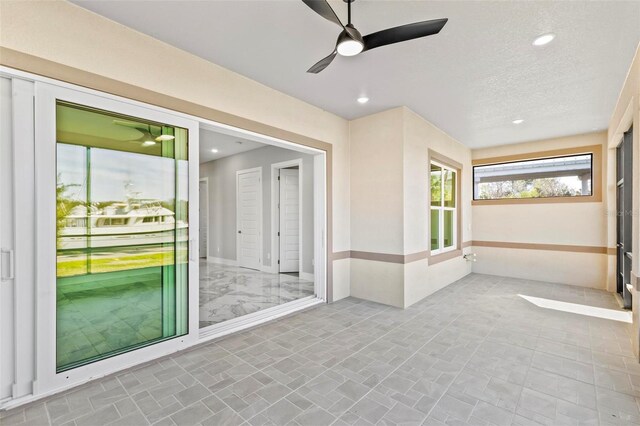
<point x="120" y="230"/>
<point x="121" y="233"/>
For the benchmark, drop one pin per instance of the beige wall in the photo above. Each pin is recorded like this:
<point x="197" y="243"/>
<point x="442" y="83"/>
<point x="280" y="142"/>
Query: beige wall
<point x="420" y="136"/>
<point x="576" y="224"/>
<point x="376" y="183"/>
<point x="390" y="207"/>
<point x="376" y="205"/>
<point x="67" y="34"/>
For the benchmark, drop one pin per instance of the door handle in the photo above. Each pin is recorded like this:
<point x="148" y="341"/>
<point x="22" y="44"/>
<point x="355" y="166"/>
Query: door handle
<point x="11" y="265"/>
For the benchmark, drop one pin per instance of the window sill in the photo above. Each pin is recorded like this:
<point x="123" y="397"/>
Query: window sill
<point x="442" y="257"/>
<point x="550" y="200"/>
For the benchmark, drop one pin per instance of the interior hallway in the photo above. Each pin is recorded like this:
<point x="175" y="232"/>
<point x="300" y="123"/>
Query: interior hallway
<point x="228" y="292"/>
<point x="475" y="352"/>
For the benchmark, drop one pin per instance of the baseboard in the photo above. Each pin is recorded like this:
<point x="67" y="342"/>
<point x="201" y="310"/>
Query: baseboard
<point x="222" y="261"/>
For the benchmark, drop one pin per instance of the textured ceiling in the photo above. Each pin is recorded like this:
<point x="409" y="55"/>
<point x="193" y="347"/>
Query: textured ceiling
<point x="472" y="80"/>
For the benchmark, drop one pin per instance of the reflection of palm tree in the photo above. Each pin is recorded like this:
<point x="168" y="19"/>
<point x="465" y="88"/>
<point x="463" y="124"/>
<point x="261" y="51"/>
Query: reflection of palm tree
<point x="63" y="207"/>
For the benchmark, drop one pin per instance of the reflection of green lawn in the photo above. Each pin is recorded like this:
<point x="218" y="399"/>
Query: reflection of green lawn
<point x="68" y="268"/>
<point x="120" y="262"/>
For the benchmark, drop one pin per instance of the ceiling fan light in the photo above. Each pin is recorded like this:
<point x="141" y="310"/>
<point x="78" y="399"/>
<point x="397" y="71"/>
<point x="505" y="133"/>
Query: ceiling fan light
<point x="349" y="47"/>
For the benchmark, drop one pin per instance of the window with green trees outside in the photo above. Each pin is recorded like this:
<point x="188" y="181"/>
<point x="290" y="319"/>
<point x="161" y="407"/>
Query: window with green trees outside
<point x="443" y="208"/>
<point x="566" y="176"/>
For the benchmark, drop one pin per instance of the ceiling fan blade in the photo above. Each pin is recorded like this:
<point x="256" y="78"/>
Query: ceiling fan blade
<point x="322" y="63"/>
<point x="322" y="8"/>
<point x="403" y="33"/>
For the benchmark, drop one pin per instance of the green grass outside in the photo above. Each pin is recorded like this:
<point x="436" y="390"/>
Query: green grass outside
<point x="67" y="268"/>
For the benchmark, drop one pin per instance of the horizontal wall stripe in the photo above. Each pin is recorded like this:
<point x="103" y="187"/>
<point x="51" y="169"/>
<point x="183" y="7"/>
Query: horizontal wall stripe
<point x="546" y="247"/>
<point x="341" y="255"/>
<point x="378" y="257"/>
<point x="398" y="258"/>
<point x="413" y="257"/>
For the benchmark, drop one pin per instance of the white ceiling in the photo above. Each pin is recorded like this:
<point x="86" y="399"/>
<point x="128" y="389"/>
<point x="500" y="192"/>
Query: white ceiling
<point x="471" y="80"/>
<point x="225" y="144"/>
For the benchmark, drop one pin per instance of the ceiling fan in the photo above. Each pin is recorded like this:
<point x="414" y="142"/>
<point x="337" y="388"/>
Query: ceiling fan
<point x="150" y="134"/>
<point x="350" y="42"/>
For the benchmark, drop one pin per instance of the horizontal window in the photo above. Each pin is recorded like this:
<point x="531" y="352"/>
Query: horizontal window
<point x="567" y="176"/>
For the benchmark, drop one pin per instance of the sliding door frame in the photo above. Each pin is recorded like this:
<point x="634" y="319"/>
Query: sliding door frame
<point x="32" y="380"/>
<point x="48" y="380"/>
<point x="320" y="214"/>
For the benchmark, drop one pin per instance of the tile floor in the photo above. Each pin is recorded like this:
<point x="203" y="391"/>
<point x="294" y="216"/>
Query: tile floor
<point x="474" y="353"/>
<point x="228" y="292"/>
<point x="104" y="313"/>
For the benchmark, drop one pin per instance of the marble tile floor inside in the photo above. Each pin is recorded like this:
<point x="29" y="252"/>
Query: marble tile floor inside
<point x="475" y="353"/>
<point x="228" y="292"/>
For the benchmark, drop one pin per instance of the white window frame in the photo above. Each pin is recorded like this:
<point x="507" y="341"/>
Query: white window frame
<point x="441" y="209"/>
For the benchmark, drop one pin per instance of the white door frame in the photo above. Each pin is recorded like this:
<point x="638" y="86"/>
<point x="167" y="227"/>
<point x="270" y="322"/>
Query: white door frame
<point x="206" y="182"/>
<point x="48" y="380"/>
<point x="260" y="217"/>
<point x="275" y="216"/>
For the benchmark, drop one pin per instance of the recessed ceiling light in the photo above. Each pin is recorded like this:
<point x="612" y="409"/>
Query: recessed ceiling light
<point x="363" y="100"/>
<point x="518" y="121"/>
<point x="544" y="39"/>
<point x="148" y="143"/>
<point x="215" y="151"/>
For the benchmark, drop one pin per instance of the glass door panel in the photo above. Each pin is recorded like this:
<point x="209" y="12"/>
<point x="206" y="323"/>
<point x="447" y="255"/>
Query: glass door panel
<point x="121" y="234"/>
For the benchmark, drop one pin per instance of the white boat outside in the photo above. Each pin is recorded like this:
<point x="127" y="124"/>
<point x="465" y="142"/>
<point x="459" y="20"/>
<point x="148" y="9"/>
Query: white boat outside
<point x="140" y="222"/>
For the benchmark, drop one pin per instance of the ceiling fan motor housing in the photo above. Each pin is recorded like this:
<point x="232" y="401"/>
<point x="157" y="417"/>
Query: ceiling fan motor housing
<point x="350" y="33"/>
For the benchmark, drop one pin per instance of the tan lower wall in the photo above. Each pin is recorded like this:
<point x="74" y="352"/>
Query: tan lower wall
<point x="422" y="279"/>
<point x="401" y="284"/>
<point x="380" y="282"/>
<point x="572" y="268"/>
<point x="341" y="279"/>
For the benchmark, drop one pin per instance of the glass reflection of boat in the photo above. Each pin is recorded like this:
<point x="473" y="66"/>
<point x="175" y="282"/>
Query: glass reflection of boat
<point x="129" y="223"/>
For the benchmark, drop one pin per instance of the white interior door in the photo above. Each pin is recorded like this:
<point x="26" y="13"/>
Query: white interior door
<point x="6" y="242"/>
<point x="249" y="217"/>
<point x="289" y="220"/>
<point x="204" y="218"/>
